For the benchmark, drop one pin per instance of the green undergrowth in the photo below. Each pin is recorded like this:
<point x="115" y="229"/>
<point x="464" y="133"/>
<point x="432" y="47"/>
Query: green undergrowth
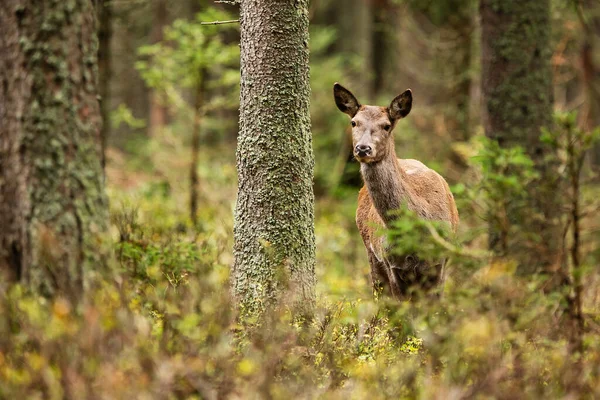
<point x="164" y="325"/>
<point x="165" y="328"/>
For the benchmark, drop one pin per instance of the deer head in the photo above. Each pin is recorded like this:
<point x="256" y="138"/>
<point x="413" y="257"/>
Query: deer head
<point x="372" y="126"/>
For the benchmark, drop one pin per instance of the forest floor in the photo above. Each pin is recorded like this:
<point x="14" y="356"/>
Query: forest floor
<point x="164" y="326"/>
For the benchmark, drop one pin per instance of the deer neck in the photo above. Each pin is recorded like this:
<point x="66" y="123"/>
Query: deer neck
<point x="387" y="185"/>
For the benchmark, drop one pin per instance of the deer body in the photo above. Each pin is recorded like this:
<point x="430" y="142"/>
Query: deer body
<point x="391" y="183"/>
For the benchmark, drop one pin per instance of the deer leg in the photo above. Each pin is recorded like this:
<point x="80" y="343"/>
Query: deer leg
<point x="411" y="274"/>
<point x="379" y="277"/>
<point x="397" y="281"/>
<point x="402" y="272"/>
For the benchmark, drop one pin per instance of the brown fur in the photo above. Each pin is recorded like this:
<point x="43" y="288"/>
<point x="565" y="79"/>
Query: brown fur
<point x="390" y="183"/>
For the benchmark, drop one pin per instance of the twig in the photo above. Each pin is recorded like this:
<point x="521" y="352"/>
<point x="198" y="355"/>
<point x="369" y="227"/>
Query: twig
<point x="124" y="2"/>
<point x="452" y="248"/>
<point x="231" y="21"/>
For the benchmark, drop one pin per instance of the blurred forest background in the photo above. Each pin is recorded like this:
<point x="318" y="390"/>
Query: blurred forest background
<point x="163" y="325"/>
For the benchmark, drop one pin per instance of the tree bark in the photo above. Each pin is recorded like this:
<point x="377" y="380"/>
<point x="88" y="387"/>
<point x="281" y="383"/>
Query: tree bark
<point x="53" y="209"/>
<point x="518" y="101"/>
<point x="104" y="69"/>
<point x="274" y="222"/>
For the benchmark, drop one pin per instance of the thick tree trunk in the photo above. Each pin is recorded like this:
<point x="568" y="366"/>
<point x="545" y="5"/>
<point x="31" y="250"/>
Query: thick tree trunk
<point x="104" y="69"/>
<point x="517" y="99"/>
<point x="274" y="223"/>
<point x="53" y="209"/>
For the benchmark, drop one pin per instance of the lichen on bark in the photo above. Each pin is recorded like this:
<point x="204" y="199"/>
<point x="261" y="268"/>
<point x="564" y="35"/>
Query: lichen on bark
<point x="274" y="219"/>
<point x="56" y="213"/>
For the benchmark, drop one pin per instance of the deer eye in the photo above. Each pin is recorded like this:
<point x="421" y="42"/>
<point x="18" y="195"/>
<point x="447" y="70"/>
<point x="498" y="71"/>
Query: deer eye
<point x="387" y="127"/>
<point x="353" y="123"/>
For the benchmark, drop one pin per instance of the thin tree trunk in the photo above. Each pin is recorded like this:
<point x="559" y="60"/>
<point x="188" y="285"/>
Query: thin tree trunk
<point x="274" y="219"/>
<point x="575" y="164"/>
<point x="158" y="111"/>
<point x="195" y="7"/>
<point x="460" y="93"/>
<point x="381" y="49"/>
<point x="354" y="21"/>
<point x="356" y="33"/>
<point x="517" y="99"/>
<point x="104" y="69"/>
<point x="195" y="148"/>
<point x="53" y="209"/>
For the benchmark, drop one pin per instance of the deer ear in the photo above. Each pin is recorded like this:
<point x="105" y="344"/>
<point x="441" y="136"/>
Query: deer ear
<point x="401" y="105"/>
<point x="345" y="100"/>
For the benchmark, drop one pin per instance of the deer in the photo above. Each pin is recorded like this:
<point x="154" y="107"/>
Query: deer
<point x="389" y="184"/>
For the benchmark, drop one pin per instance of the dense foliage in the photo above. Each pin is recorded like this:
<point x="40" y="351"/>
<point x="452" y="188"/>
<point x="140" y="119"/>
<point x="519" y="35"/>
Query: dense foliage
<point x="162" y="323"/>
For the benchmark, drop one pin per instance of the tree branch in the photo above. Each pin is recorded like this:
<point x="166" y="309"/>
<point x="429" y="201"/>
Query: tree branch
<point x="452" y="248"/>
<point x="231" y="21"/>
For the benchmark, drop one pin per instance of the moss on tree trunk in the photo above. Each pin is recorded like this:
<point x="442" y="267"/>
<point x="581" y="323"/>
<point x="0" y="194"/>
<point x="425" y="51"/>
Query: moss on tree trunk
<point x="274" y="223"/>
<point x="53" y="209"/>
<point x="518" y="102"/>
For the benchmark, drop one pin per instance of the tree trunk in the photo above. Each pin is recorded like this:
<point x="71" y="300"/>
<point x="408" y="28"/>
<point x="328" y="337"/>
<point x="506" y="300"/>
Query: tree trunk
<point x="461" y="62"/>
<point x="158" y="111"/>
<point x="354" y="19"/>
<point x="194" y="179"/>
<point x="104" y="70"/>
<point x="53" y="209"/>
<point x="381" y="49"/>
<point x="590" y="60"/>
<point x="517" y="99"/>
<point x="274" y="222"/>
<point x="354" y="22"/>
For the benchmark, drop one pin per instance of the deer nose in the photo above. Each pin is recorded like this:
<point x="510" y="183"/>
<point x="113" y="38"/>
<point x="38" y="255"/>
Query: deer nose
<point x="363" y="150"/>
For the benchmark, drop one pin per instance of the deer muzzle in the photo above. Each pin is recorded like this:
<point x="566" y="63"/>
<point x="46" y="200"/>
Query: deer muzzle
<point x="362" y="150"/>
